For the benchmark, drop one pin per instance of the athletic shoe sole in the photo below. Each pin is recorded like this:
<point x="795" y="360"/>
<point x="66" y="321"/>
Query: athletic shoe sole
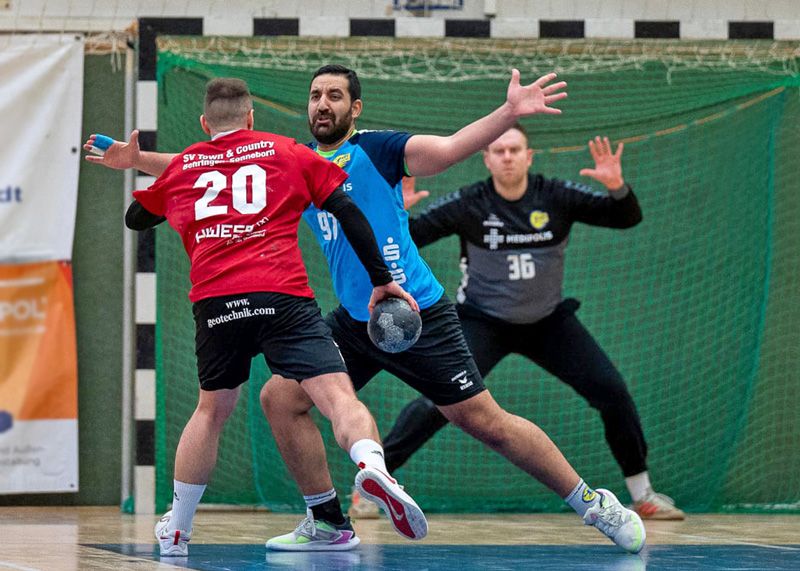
<point x="315" y="546"/>
<point x="404" y="513"/>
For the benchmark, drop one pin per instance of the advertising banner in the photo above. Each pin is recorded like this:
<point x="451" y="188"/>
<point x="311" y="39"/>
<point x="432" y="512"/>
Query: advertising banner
<point x="41" y="99"/>
<point x="38" y="379"/>
<point x="41" y="95"/>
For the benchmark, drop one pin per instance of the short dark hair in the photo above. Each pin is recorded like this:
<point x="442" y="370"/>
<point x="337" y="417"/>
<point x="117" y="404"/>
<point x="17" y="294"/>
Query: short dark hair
<point x="518" y="126"/>
<point x="227" y="102"/>
<point x="353" y="84"/>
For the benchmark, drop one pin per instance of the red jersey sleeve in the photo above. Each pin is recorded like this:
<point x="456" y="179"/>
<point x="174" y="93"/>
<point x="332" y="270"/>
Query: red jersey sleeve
<point x="322" y="176"/>
<point x="152" y="198"/>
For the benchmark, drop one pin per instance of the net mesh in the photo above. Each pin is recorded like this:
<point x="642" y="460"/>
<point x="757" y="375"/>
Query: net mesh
<point x="697" y="306"/>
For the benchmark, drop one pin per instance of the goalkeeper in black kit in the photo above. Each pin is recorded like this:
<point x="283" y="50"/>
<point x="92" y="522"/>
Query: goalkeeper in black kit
<point x="514" y="228"/>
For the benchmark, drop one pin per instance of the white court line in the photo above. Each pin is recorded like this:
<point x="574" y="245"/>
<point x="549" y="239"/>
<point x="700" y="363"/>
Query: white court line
<point x="21" y="282"/>
<point x="718" y="541"/>
<point x="8" y="565"/>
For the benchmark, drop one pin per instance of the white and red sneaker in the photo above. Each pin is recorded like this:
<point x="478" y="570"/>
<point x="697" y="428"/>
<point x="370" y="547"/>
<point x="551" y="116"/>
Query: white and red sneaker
<point x="404" y="513"/>
<point x="174" y="543"/>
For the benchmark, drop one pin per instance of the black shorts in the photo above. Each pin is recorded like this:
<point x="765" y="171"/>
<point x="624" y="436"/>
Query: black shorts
<point x="439" y="365"/>
<point x="288" y="330"/>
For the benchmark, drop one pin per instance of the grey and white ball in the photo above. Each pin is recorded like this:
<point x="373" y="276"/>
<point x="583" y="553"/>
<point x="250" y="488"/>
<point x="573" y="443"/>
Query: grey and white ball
<point x="394" y="326"/>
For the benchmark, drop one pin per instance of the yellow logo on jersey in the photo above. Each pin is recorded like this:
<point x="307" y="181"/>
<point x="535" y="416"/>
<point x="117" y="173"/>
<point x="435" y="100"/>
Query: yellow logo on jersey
<point x="342" y="160"/>
<point x="589" y="495"/>
<point x="539" y="219"/>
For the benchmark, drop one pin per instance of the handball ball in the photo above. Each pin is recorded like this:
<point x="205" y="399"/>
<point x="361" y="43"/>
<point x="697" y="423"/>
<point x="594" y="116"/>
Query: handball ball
<point x="394" y="326"/>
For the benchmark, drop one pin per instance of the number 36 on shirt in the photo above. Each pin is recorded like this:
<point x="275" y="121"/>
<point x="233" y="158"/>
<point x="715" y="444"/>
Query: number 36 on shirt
<point x="521" y="267"/>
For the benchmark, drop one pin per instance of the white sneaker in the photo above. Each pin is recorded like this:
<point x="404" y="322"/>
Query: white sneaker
<point x="621" y="525"/>
<point x="361" y="508"/>
<point x="172" y="543"/>
<point x="404" y="513"/>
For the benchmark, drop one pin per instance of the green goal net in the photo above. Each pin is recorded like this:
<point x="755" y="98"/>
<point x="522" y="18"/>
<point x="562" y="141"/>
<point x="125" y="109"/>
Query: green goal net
<point x="698" y="306"/>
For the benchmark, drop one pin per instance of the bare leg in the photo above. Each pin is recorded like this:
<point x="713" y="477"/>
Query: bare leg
<point x="286" y="406"/>
<point x="335" y="397"/>
<point x="194" y="461"/>
<point x="197" y="450"/>
<point x="519" y="440"/>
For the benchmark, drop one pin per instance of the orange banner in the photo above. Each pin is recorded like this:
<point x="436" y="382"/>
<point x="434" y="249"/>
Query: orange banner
<point x="38" y="364"/>
<point x="38" y="379"/>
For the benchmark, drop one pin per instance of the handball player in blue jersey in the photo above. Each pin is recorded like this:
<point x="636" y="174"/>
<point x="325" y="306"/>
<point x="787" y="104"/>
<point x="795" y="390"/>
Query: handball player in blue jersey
<point x="439" y="365"/>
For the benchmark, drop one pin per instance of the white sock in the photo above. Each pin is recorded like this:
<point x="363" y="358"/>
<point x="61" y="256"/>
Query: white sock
<point x="581" y="498"/>
<point x="370" y="453"/>
<point x="317" y="499"/>
<point x="185" y="498"/>
<point x="638" y="485"/>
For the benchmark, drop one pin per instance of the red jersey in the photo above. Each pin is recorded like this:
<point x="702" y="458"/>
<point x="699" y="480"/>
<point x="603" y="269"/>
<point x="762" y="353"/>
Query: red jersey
<point x="236" y="202"/>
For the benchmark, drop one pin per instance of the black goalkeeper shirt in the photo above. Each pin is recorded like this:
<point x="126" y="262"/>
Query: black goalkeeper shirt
<point x="513" y="252"/>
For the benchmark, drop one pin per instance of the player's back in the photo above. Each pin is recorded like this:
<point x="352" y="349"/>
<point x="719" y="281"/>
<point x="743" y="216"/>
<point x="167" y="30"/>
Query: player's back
<point x="236" y="202"/>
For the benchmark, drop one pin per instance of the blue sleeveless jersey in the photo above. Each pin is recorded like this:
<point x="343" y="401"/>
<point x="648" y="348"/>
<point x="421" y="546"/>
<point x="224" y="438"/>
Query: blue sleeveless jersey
<point x="374" y="161"/>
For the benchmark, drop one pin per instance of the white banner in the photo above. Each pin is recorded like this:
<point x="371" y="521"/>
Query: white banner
<point x="41" y="96"/>
<point x="41" y="100"/>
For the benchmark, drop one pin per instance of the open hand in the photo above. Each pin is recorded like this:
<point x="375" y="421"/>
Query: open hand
<point x="607" y="165"/>
<point x="119" y="155"/>
<point x="536" y="97"/>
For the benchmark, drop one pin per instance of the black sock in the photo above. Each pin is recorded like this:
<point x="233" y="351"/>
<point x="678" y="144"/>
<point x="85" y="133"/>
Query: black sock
<point x="330" y="511"/>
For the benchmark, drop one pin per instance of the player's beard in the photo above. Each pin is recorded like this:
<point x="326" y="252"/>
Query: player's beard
<point x="338" y="129"/>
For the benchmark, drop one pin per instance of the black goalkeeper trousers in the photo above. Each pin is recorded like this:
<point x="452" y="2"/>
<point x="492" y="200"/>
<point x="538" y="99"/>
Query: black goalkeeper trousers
<point x="562" y="346"/>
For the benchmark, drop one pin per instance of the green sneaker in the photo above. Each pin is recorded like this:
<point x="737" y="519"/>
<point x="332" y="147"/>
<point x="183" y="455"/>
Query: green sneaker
<point x="316" y="535"/>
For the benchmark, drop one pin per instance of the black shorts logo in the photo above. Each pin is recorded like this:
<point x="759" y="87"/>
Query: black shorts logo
<point x="462" y="379"/>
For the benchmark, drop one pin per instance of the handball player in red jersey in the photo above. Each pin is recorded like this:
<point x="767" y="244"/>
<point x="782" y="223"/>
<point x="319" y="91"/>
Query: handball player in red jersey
<point x="236" y="202"/>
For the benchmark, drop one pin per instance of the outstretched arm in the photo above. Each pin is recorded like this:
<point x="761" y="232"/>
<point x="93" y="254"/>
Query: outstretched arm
<point x="128" y="155"/>
<point x="428" y="155"/>
<point x="444" y="217"/>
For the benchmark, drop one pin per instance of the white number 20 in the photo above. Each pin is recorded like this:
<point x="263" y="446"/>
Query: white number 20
<point x="520" y="267"/>
<point x="215" y="182"/>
